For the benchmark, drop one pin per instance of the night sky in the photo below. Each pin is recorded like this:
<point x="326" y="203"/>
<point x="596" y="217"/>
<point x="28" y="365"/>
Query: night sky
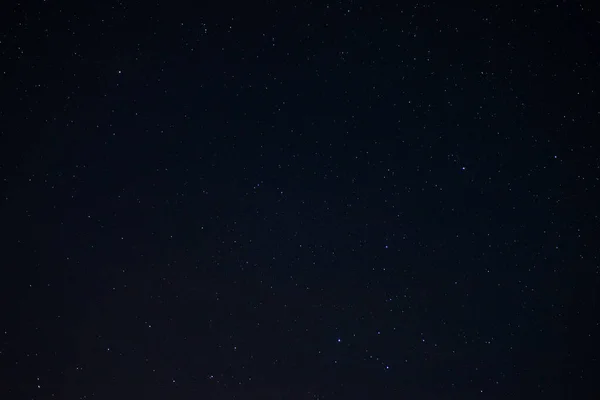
<point x="299" y="200"/>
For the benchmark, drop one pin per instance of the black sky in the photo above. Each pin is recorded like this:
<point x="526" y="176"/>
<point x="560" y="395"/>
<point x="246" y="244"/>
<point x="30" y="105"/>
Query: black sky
<point x="345" y="200"/>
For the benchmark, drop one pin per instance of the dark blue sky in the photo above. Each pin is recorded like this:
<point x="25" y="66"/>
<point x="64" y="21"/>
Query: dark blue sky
<point x="342" y="200"/>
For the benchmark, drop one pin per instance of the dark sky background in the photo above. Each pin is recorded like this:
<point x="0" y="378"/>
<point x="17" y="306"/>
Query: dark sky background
<point x="299" y="200"/>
